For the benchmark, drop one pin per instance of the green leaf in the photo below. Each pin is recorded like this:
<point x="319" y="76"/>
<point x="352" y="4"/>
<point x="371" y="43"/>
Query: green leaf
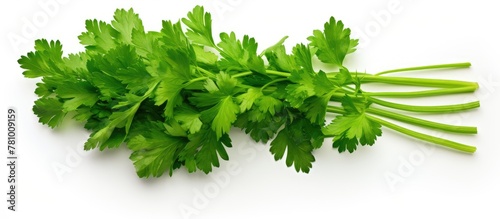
<point x="343" y="143"/>
<point x="155" y="152"/>
<point x="173" y="37"/>
<point x="169" y="90"/>
<point x="203" y="150"/>
<point x="315" y="109"/>
<point x="352" y="107"/>
<point x="199" y="25"/>
<point x="223" y="105"/>
<point x="100" y="36"/>
<point x="334" y="43"/>
<point x="222" y="115"/>
<point x="303" y="58"/>
<point x="296" y="141"/>
<point x="279" y="60"/>
<point x="256" y="80"/>
<point x="175" y="129"/>
<point x="263" y="130"/>
<point x="224" y="86"/>
<point x="45" y="61"/>
<point x="117" y="120"/>
<point x="49" y="111"/>
<point x="145" y="43"/>
<point x="76" y="62"/>
<point x="125" y="22"/>
<point x="269" y="104"/>
<point x="323" y="85"/>
<point x="275" y="46"/>
<point x="44" y="89"/>
<point x="99" y="138"/>
<point x="129" y="68"/>
<point x="240" y="55"/>
<point x="176" y="76"/>
<point x="77" y="94"/>
<point x="188" y="118"/>
<point x="109" y="87"/>
<point x="248" y="99"/>
<point x="343" y="78"/>
<point x="207" y="156"/>
<point x="302" y="89"/>
<point x="205" y="57"/>
<point x="352" y="45"/>
<point x="351" y="130"/>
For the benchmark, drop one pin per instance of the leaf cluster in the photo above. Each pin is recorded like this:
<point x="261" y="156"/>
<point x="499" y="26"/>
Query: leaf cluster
<point x="173" y="95"/>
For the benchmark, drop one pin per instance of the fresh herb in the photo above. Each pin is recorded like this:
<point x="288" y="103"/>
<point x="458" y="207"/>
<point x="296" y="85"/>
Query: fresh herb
<point x="173" y="96"/>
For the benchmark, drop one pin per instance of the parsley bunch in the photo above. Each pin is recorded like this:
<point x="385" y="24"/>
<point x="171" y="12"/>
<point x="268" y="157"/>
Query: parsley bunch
<point x="172" y="96"/>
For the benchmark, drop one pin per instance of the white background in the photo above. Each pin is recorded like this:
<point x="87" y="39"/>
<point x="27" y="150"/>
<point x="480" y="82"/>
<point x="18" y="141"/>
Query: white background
<point x="427" y="181"/>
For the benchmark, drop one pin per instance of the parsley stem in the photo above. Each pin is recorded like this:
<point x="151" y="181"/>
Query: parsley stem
<point x="411" y="120"/>
<point x="422" y="122"/>
<point x="442" y="83"/>
<point x="209" y="73"/>
<point x="278" y="73"/>
<point x="335" y="109"/>
<point x="149" y="91"/>
<point x="424" y="93"/>
<point x="427" y="67"/>
<point x="418" y="135"/>
<point x="272" y="82"/>
<point x="424" y="137"/>
<point x="242" y="74"/>
<point x="417" y="81"/>
<point x="425" y="82"/>
<point x="195" y="80"/>
<point x="427" y="109"/>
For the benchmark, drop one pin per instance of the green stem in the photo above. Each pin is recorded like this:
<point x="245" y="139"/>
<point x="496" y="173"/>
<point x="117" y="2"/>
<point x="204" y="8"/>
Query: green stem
<point x="242" y="74"/>
<point x="335" y="109"/>
<point x="424" y="137"/>
<point x="411" y="120"/>
<point x="149" y="91"/>
<point x="426" y="82"/>
<point x="272" y="82"/>
<point x="425" y="93"/>
<point x="196" y="80"/>
<point x="206" y="72"/>
<point x="427" y="109"/>
<point x="278" y="73"/>
<point x="422" y="122"/>
<point x="427" y="67"/>
<point x="417" y="81"/>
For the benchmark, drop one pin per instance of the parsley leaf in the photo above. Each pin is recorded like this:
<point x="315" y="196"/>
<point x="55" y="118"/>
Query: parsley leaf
<point x="77" y="93"/>
<point x="100" y="36"/>
<point x="260" y="130"/>
<point x="224" y="108"/>
<point x="124" y="23"/>
<point x="353" y="128"/>
<point x="45" y="61"/>
<point x="154" y="151"/>
<point x="50" y="111"/>
<point x="248" y="99"/>
<point x="334" y="43"/>
<point x="200" y="26"/>
<point x="240" y="55"/>
<point x="203" y="150"/>
<point x="302" y="89"/>
<point x="174" y="77"/>
<point x="296" y="140"/>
